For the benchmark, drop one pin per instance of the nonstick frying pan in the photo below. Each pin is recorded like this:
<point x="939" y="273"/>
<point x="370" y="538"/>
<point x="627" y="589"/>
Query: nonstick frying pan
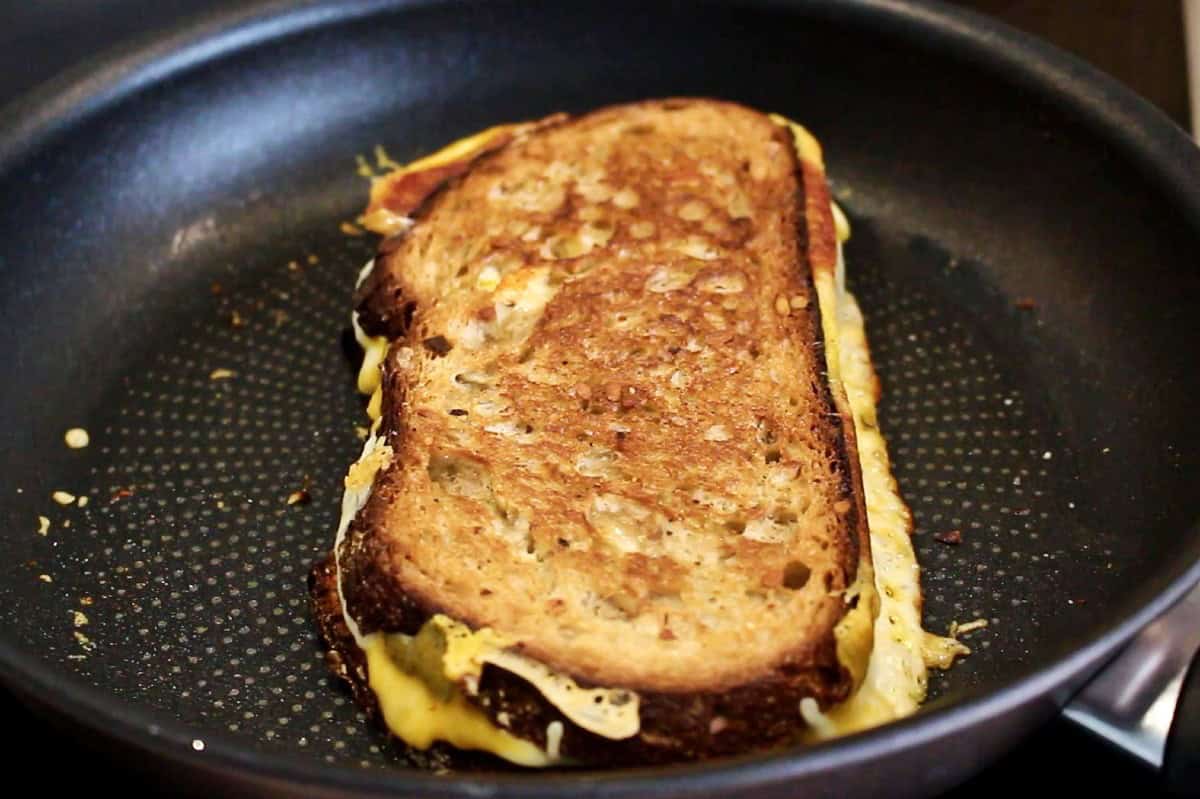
<point x="1025" y="242"/>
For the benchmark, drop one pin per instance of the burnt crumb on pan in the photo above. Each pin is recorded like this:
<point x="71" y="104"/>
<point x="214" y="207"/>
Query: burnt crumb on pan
<point x="121" y="493"/>
<point x="438" y="345"/>
<point x="299" y="497"/>
<point x="302" y="495"/>
<point x="77" y="438"/>
<point x="236" y="320"/>
<point x="85" y="643"/>
<point x="951" y="537"/>
<point x="216" y="288"/>
<point x="1025" y="304"/>
<point x="957" y="629"/>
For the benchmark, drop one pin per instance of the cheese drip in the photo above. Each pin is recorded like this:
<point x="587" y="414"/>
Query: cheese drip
<point x="420" y="706"/>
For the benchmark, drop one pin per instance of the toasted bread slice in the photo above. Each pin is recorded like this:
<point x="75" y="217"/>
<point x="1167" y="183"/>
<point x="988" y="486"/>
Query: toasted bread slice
<point x="613" y="460"/>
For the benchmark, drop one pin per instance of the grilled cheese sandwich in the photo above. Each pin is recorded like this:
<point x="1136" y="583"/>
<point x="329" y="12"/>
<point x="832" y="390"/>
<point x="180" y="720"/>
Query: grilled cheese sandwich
<point x="426" y="680"/>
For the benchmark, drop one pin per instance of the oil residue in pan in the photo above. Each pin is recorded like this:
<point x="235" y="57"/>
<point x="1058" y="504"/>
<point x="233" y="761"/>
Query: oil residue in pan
<point x="188" y="565"/>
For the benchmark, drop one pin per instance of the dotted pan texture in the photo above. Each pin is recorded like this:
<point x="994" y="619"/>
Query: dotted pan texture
<point x="188" y="565"/>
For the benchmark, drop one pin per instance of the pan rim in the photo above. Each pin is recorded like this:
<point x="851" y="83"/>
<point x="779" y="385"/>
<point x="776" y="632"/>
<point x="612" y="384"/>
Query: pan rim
<point x="1142" y="134"/>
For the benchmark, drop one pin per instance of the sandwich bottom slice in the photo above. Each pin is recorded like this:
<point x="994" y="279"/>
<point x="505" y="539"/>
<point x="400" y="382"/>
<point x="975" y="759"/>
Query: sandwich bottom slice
<point x="624" y="498"/>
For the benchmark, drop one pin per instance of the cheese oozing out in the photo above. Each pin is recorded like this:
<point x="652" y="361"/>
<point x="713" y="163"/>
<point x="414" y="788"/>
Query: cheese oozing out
<point x="897" y="672"/>
<point x="896" y="678"/>
<point x="420" y="704"/>
<point x="422" y="681"/>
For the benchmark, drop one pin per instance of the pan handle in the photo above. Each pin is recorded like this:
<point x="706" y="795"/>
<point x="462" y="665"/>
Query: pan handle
<point x="1181" y="765"/>
<point x="1146" y="701"/>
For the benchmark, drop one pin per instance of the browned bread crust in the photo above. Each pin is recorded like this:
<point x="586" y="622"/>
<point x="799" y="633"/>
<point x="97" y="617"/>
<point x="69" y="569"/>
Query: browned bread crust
<point x="466" y="521"/>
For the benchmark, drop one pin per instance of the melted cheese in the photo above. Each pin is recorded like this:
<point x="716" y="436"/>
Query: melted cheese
<point x="374" y="351"/>
<point x="358" y="484"/>
<point x="422" y="681"/>
<point x="419" y="714"/>
<point x="607" y="712"/>
<point x="896" y="676"/>
<point x="807" y="146"/>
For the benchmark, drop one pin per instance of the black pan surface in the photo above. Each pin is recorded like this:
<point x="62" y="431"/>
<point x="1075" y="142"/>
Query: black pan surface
<point x="1024" y="250"/>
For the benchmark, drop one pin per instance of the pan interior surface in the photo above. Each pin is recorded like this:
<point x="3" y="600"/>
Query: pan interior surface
<point x="176" y="281"/>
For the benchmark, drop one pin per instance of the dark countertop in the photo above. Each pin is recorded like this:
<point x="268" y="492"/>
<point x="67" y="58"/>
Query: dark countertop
<point x="41" y="39"/>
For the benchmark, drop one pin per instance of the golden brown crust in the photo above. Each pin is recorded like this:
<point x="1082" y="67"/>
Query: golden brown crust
<point x="648" y="481"/>
<point x="818" y="217"/>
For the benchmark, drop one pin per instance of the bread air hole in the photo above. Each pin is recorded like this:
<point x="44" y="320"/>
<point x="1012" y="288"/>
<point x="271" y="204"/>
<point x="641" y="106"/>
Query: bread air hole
<point x="615" y="608"/>
<point x="460" y="476"/>
<point x="784" y="516"/>
<point x="475" y="379"/>
<point x="796" y="574"/>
